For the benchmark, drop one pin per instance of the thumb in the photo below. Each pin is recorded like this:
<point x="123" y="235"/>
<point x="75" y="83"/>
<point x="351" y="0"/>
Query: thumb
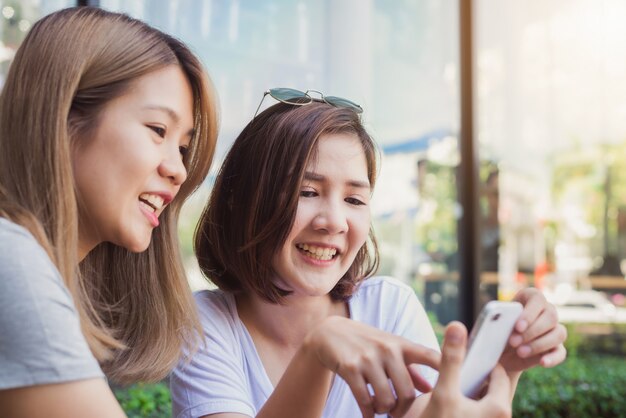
<point x="499" y="385"/>
<point x="452" y="355"/>
<point x="500" y="393"/>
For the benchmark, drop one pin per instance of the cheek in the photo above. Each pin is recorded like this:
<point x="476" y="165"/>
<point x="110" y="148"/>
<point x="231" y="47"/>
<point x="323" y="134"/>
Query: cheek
<point x="360" y="228"/>
<point x="305" y="213"/>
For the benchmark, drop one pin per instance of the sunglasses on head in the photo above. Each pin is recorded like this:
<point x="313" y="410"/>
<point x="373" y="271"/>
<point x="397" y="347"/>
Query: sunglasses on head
<point x="301" y="98"/>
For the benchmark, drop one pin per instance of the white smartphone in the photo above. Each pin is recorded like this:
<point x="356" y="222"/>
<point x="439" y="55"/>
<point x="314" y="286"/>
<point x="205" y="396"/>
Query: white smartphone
<point x="486" y="343"/>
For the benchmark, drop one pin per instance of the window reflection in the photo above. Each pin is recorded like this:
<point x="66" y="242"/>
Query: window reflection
<point x="398" y="60"/>
<point x="16" y="18"/>
<point x="552" y="106"/>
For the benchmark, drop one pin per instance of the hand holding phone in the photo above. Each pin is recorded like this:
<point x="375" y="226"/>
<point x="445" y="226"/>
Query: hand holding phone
<point x="447" y="400"/>
<point x="487" y="342"/>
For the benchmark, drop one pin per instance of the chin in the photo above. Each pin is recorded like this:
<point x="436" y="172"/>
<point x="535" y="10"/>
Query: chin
<point x="136" y="245"/>
<point x="318" y="291"/>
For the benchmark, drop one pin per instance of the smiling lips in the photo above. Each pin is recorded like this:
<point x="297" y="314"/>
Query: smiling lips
<point x="153" y="201"/>
<point x="318" y="253"/>
<point x="150" y="205"/>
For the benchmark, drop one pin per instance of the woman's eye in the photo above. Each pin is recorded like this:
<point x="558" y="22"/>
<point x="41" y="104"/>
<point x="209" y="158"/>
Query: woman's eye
<point x="183" y="149"/>
<point x="308" y="193"/>
<point x="354" y="201"/>
<point x="158" y="130"/>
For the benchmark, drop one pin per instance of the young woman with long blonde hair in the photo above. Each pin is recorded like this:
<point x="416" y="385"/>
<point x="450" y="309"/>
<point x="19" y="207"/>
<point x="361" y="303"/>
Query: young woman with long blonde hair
<point x="106" y="126"/>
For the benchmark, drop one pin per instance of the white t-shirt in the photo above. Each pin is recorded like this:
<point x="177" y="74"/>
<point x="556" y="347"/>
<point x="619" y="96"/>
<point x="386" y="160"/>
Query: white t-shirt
<point x="227" y="375"/>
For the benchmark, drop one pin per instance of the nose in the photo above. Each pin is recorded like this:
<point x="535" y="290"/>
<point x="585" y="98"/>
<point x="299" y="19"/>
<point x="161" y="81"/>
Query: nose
<point x="331" y="217"/>
<point x="172" y="166"/>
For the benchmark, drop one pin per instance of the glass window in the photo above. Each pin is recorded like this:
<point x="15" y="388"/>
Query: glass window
<point x="397" y="59"/>
<point x="552" y="134"/>
<point x="17" y="16"/>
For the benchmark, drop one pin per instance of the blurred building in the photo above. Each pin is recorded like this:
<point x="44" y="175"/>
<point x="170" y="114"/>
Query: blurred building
<point x="550" y="121"/>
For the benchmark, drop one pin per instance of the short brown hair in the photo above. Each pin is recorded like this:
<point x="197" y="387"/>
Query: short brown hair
<point x="254" y="201"/>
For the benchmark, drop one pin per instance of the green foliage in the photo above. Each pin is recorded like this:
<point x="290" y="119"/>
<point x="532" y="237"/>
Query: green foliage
<point x="434" y="322"/>
<point x="437" y="231"/>
<point x="580" y="387"/>
<point x="593" y="178"/>
<point x="574" y="340"/>
<point x="587" y="384"/>
<point x="593" y="339"/>
<point x="145" y="400"/>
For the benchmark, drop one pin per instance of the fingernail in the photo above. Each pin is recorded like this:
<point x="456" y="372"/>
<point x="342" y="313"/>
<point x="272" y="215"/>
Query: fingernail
<point x="524" y="351"/>
<point x="516" y="340"/>
<point x="453" y="338"/>
<point x="545" y="362"/>
<point x="522" y="325"/>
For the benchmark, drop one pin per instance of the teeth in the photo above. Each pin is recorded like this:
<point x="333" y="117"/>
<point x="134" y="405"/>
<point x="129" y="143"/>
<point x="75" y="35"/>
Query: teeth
<point x="319" y="253"/>
<point x="155" y="202"/>
<point x="148" y="207"/>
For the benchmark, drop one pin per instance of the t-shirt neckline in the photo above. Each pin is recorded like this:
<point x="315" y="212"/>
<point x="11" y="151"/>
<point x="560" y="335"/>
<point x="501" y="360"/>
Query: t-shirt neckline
<point x="255" y="362"/>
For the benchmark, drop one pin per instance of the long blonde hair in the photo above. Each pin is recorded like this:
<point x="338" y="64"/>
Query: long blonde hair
<point x="136" y="310"/>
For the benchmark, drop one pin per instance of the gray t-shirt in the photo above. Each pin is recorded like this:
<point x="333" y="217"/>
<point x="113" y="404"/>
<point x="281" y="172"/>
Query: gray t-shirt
<point x="40" y="337"/>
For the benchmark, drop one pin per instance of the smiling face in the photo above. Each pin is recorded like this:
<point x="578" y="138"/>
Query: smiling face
<point x="130" y="167"/>
<point x="332" y="220"/>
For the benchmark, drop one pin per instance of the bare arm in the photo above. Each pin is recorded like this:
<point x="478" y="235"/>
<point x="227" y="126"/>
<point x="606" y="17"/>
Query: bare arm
<point x="361" y="355"/>
<point x="84" y="398"/>
<point x="301" y="392"/>
<point x="303" y="389"/>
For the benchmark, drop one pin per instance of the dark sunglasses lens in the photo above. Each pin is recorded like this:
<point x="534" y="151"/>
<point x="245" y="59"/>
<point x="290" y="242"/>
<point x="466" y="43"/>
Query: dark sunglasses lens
<point x="341" y="102"/>
<point x="289" y="95"/>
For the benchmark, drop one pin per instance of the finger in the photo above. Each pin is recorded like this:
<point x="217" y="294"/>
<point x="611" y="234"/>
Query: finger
<point x="544" y="343"/>
<point x="534" y="303"/>
<point x="383" y="398"/>
<point x="452" y="355"/>
<point x="528" y="362"/>
<point x="546" y="359"/>
<point x="367" y="412"/>
<point x="416" y="353"/>
<point x="546" y="322"/>
<point x="554" y="357"/>
<point x="498" y="397"/>
<point x="419" y="382"/>
<point x="358" y="386"/>
<point x="499" y="383"/>
<point x="402" y="386"/>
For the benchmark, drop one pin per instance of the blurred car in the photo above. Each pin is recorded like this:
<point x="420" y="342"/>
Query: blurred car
<point x="586" y="306"/>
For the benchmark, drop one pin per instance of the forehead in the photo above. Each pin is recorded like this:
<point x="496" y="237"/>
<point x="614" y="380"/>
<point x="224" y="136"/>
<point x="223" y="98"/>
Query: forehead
<point x="340" y="156"/>
<point x="166" y="89"/>
<point x="337" y="148"/>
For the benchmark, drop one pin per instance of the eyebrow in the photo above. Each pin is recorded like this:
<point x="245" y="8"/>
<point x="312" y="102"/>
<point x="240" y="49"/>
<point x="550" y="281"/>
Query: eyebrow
<point x="172" y="115"/>
<point x="354" y="183"/>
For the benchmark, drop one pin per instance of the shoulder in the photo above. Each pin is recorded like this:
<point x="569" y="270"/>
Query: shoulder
<point x="384" y="302"/>
<point x="16" y="244"/>
<point x="40" y="332"/>
<point x="214" y="302"/>
<point x="218" y="313"/>
<point x="26" y="271"/>
<point x="384" y="287"/>
<point x="215" y="378"/>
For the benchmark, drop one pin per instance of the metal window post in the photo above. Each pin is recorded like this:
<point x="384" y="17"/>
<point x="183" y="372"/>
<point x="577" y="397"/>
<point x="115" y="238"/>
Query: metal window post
<point x="467" y="181"/>
<point x="92" y="3"/>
